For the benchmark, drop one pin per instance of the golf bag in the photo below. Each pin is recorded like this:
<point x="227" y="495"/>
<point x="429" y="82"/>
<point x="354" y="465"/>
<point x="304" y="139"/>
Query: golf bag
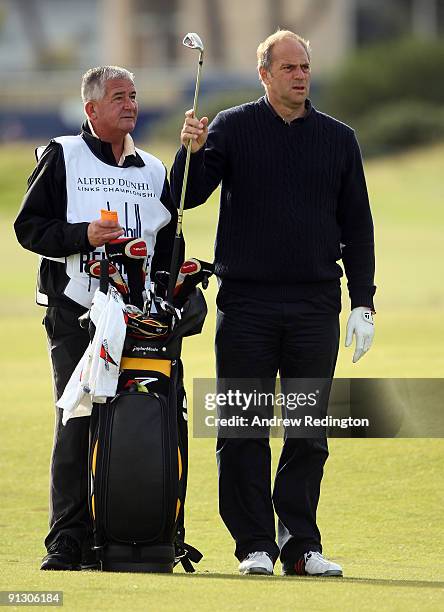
<point x="139" y="448"/>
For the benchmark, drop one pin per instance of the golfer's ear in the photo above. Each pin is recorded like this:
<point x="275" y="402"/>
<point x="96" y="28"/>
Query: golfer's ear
<point x="263" y="75"/>
<point x="90" y="110"/>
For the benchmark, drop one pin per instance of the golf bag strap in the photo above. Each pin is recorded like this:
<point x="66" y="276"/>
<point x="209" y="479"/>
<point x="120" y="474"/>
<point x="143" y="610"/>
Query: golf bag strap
<point x="104" y="276"/>
<point x="185" y="553"/>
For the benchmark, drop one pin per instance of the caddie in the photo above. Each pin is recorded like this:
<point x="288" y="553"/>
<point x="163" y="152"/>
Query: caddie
<point x="60" y="219"/>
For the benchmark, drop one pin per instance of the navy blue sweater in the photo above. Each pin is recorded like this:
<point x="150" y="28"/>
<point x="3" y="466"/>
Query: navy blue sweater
<point x="293" y="202"/>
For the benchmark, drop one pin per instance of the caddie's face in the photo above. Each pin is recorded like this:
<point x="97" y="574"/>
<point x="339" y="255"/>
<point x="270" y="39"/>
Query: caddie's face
<point x="288" y="81"/>
<point x="116" y="113"/>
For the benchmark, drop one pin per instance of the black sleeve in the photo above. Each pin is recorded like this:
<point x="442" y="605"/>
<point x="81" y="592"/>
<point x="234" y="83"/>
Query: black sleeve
<point x="355" y="220"/>
<point x="165" y="238"/>
<point x="41" y="224"/>
<point x="207" y="167"/>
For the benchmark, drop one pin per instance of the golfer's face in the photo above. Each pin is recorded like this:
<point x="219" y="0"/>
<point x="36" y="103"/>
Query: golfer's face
<point x="117" y="110"/>
<point x="288" y="81"/>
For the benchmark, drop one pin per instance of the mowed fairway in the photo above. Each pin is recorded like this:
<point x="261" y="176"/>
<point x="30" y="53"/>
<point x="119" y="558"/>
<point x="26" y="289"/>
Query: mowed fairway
<point x="381" y="510"/>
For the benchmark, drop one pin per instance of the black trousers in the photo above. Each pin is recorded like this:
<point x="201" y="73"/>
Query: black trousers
<point x="257" y="339"/>
<point x="68" y="514"/>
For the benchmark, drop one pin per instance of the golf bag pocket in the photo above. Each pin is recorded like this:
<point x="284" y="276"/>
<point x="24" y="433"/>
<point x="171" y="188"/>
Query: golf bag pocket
<point x="135" y="473"/>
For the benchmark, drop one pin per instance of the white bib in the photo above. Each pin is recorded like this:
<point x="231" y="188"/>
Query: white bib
<point x="92" y="185"/>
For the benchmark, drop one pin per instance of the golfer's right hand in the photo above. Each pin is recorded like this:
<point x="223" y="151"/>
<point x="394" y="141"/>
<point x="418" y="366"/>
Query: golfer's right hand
<point x="195" y="130"/>
<point x="101" y="232"/>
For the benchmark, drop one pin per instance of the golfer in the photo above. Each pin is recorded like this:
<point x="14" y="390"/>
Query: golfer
<point x="293" y="203"/>
<point x="60" y="219"/>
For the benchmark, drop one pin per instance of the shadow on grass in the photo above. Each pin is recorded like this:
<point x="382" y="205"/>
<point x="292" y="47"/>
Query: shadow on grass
<point x="428" y="584"/>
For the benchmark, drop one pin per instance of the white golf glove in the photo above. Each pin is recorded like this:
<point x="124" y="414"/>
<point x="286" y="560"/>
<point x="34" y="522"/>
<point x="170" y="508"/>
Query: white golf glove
<point x="360" y="323"/>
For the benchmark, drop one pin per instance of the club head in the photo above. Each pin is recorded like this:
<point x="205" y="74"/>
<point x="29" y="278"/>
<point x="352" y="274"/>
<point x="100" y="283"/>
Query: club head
<point x="193" y="41"/>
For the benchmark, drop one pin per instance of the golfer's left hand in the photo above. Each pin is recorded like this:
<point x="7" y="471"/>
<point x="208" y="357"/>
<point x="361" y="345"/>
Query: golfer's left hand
<point x="360" y="323"/>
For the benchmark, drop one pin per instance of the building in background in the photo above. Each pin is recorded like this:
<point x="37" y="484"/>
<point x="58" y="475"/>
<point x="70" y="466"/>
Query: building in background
<point x="46" y="44"/>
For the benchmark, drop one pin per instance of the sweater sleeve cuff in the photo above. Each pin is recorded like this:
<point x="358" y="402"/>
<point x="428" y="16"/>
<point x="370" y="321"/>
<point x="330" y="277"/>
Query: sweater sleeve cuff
<point x="362" y="296"/>
<point x="195" y="158"/>
<point x="84" y="244"/>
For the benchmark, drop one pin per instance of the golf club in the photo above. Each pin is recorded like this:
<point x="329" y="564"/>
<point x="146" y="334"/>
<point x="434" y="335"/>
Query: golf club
<point x="132" y="253"/>
<point x="121" y="249"/>
<point x="146" y="327"/>
<point x="191" y="273"/>
<point x="192" y="41"/>
<point x="93" y="269"/>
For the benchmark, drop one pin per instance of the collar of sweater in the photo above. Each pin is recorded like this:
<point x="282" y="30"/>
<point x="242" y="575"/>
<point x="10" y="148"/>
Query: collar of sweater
<point x="308" y="112"/>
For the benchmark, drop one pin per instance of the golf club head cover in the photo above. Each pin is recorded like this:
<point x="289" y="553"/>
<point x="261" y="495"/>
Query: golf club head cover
<point x="93" y="269"/>
<point x="132" y="253"/>
<point x="192" y="272"/>
<point x="143" y="326"/>
<point x="121" y="249"/>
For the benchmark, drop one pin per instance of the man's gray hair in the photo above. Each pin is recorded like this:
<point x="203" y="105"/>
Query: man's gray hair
<point x="94" y="80"/>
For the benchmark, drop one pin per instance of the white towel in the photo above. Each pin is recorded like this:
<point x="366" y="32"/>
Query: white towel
<point x="96" y="375"/>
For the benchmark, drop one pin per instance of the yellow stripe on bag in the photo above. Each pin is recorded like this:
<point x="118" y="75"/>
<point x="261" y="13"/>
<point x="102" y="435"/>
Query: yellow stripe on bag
<point x="93" y="471"/>
<point x="179" y="460"/>
<point x="94" y="458"/>
<point x="177" y="509"/>
<point x="156" y="365"/>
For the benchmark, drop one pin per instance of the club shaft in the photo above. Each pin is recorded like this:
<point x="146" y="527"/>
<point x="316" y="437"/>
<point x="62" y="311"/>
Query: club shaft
<point x="187" y="160"/>
<point x="174" y="268"/>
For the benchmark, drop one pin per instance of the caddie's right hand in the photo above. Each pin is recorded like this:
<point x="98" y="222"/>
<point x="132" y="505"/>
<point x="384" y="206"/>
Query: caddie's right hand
<point x="100" y="232"/>
<point x="195" y="130"/>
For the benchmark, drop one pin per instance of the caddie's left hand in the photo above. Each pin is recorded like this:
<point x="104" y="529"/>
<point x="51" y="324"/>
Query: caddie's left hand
<point x="360" y="323"/>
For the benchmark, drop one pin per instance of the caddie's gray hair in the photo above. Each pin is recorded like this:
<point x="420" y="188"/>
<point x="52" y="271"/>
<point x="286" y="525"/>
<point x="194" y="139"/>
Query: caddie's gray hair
<point x="94" y="80"/>
<point x="265" y="49"/>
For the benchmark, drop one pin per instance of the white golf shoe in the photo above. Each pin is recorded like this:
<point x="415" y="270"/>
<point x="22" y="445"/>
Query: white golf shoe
<point x="257" y="563"/>
<point x="312" y="564"/>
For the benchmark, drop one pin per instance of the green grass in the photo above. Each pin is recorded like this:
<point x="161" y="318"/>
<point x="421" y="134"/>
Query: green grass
<point x="381" y="504"/>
